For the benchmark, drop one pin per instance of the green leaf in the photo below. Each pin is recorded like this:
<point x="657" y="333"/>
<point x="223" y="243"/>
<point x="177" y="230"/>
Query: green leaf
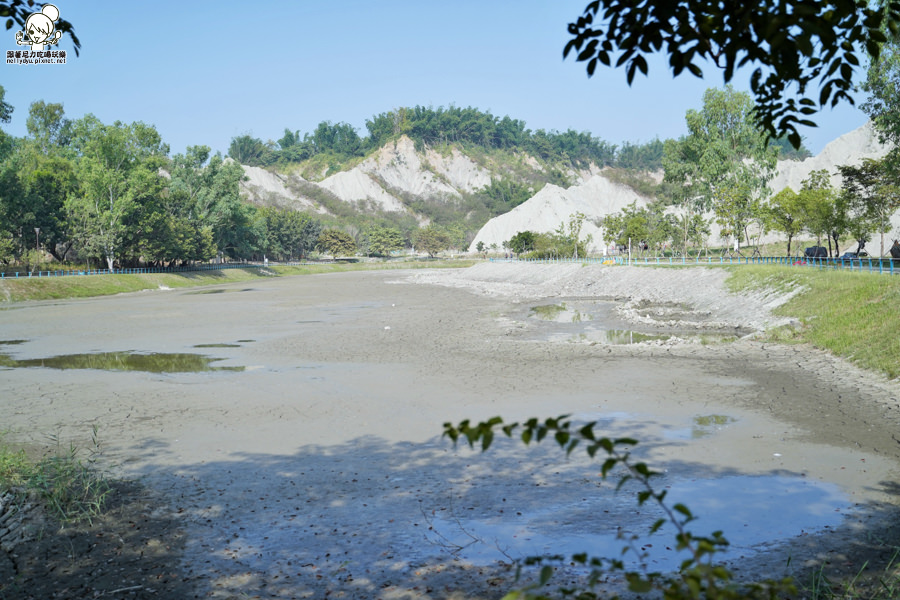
<point x="637" y="584"/>
<point x="608" y="465"/>
<point x="587" y="432"/>
<point x="588" y="52"/>
<point x="641" y="64"/>
<point x="684" y="510"/>
<point x="546" y="574"/>
<point x="486" y="440"/>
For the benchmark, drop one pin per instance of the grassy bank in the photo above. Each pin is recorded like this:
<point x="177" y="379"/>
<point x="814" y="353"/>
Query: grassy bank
<point x="49" y="288"/>
<point x="852" y="315"/>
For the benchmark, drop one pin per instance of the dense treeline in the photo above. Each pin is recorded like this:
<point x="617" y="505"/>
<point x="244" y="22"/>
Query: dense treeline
<point x="466" y="126"/>
<point x="439" y="126"/>
<point x="110" y="194"/>
<point x="83" y="190"/>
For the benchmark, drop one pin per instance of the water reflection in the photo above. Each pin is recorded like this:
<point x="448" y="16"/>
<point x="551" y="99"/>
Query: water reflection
<point x="152" y="362"/>
<point x="752" y="512"/>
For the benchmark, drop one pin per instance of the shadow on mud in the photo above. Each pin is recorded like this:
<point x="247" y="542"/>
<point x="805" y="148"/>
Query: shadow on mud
<point x="370" y="517"/>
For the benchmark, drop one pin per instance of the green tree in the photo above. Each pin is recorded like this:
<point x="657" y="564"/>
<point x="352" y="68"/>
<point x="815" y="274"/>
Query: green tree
<point x="883" y="87"/>
<point x="639" y="227"/>
<point x="115" y="164"/>
<point x="38" y="199"/>
<point x="874" y="194"/>
<point x="205" y="191"/>
<point x="248" y="150"/>
<point x="289" y="139"/>
<point x="289" y="234"/>
<point x="6" y="109"/>
<point x="523" y="241"/>
<point x="724" y="162"/>
<point x="503" y="195"/>
<point x="336" y="243"/>
<point x="822" y="211"/>
<point x="796" y="46"/>
<point x="432" y="239"/>
<point x="571" y="232"/>
<point x="47" y="125"/>
<point x="336" y="138"/>
<point x="382" y="241"/>
<point x="784" y="214"/>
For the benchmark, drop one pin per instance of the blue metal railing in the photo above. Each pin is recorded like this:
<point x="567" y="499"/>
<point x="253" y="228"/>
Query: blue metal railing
<point x="866" y="264"/>
<point x="134" y="271"/>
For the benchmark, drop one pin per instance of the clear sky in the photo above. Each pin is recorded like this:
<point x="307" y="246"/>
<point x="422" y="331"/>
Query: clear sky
<point x="204" y="71"/>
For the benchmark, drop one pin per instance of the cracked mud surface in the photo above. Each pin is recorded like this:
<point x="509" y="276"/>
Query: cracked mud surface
<point x="318" y="471"/>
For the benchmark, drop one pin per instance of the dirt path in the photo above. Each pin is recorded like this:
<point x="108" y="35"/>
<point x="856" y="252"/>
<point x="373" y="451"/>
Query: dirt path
<point x="317" y="468"/>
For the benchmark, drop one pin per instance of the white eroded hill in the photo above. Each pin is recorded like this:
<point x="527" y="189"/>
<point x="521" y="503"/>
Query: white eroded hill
<point x="378" y="181"/>
<point x="598" y="196"/>
<point x="551" y="206"/>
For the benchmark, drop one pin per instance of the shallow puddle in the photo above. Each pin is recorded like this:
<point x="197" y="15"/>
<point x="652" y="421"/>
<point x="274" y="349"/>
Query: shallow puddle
<point x="121" y="361"/>
<point x="701" y="426"/>
<point x="221" y="345"/>
<point x="753" y="513"/>
<point x="217" y="291"/>
<point x="580" y="321"/>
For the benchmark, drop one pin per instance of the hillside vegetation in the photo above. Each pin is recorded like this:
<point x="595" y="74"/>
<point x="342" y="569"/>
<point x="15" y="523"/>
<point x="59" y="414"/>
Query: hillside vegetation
<point x="86" y="192"/>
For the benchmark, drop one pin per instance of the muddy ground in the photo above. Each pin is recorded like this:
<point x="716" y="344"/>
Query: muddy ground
<point x="311" y="465"/>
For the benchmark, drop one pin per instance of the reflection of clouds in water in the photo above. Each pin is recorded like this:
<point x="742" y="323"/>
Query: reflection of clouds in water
<point x="752" y="512"/>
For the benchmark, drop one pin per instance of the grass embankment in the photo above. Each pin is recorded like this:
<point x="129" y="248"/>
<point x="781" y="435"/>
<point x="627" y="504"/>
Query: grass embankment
<point x="50" y="288"/>
<point x="850" y="314"/>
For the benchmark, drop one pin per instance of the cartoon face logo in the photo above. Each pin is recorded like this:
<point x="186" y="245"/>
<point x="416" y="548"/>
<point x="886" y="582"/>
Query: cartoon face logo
<point x="40" y="29"/>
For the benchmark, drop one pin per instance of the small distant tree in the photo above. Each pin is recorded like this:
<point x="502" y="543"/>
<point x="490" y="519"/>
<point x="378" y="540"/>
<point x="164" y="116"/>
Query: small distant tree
<point x="822" y="211"/>
<point x="289" y="234"/>
<point x="248" y="150"/>
<point x="382" y="241"/>
<point x="784" y="214"/>
<point x="631" y="223"/>
<point x="576" y="223"/>
<point x="523" y="241"/>
<point x="432" y="239"/>
<point x="336" y="243"/>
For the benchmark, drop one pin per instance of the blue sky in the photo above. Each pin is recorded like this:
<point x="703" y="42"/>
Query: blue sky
<point x="204" y="71"/>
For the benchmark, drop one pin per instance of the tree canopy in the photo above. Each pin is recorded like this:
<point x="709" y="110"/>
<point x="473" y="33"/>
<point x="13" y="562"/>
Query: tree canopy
<point x="794" y="45"/>
<point x="724" y="163"/>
